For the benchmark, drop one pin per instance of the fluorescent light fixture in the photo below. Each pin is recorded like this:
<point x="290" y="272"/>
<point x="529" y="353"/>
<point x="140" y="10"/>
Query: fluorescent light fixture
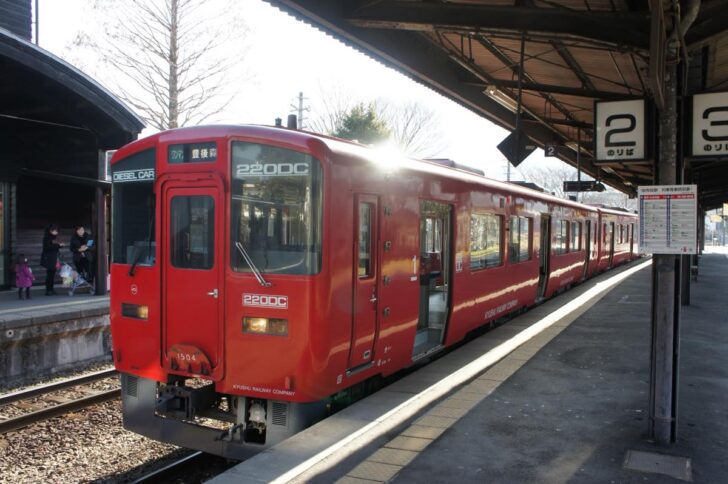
<point x="501" y="98"/>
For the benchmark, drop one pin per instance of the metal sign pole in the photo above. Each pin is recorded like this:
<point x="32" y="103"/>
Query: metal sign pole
<point x="578" y="160"/>
<point x="517" y="144"/>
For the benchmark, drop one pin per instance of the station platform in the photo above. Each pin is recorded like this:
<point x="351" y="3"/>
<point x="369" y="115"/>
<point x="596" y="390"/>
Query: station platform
<point x="559" y="394"/>
<point x="48" y="334"/>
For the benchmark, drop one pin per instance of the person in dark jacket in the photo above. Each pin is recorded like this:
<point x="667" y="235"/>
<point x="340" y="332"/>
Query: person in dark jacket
<point x="81" y="252"/>
<point x="49" y="256"/>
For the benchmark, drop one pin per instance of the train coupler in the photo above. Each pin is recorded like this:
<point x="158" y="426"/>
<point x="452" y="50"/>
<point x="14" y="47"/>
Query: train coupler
<point x="183" y="402"/>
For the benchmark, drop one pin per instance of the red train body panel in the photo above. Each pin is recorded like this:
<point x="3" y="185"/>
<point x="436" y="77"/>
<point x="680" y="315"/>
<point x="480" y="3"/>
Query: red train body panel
<point x="354" y="264"/>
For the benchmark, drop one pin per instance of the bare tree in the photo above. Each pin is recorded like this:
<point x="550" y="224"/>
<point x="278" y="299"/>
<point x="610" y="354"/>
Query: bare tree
<point x="172" y="60"/>
<point x="330" y="109"/>
<point x="610" y="198"/>
<point x="550" y="179"/>
<point x="413" y="127"/>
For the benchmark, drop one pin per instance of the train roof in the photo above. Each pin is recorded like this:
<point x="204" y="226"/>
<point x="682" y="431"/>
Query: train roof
<point x="301" y="140"/>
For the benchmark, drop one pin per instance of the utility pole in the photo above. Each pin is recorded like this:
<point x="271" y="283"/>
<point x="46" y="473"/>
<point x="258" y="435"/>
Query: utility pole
<point x="298" y="108"/>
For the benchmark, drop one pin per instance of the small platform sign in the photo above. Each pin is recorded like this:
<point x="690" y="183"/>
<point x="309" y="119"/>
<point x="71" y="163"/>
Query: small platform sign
<point x="668" y="218"/>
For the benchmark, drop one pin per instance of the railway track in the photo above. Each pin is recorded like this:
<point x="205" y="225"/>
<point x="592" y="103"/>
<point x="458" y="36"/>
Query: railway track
<point x="55" y="410"/>
<point x="194" y="467"/>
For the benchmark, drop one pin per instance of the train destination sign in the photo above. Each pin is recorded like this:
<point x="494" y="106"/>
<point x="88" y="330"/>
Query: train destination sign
<point x="621" y="128"/>
<point x="192" y="152"/>
<point x="710" y="124"/>
<point x="668" y="219"/>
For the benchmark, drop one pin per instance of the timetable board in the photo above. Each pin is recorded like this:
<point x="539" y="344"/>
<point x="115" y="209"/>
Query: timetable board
<point x="668" y="219"/>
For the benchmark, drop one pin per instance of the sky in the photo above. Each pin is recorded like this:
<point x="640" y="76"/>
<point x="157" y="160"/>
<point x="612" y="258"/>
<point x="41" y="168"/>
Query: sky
<point x="285" y="56"/>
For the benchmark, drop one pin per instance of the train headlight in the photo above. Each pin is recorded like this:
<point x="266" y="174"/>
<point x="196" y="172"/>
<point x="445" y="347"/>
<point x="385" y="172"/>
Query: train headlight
<point x="272" y="326"/>
<point x="136" y="311"/>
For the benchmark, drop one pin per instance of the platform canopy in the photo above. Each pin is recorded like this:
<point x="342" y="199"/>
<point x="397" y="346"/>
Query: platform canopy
<point x="57" y="118"/>
<point x="576" y="52"/>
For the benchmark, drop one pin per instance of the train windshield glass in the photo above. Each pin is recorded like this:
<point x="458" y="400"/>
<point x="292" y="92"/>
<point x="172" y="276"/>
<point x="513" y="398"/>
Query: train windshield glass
<point x="276" y="210"/>
<point x="132" y="202"/>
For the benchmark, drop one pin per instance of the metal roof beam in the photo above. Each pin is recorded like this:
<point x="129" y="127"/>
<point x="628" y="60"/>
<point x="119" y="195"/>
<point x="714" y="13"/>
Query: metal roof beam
<point x="565" y="54"/>
<point x="493" y="49"/>
<point x="552" y="89"/>
<point x="619" y="28"/>
<point x="712" y="20"/>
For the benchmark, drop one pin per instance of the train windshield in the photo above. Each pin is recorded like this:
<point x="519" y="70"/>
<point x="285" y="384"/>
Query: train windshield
<point x="132" y="202"/>
<point x="276" y="210"/>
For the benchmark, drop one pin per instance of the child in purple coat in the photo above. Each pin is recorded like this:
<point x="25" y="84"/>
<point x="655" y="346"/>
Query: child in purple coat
<point x="23" y="276"/>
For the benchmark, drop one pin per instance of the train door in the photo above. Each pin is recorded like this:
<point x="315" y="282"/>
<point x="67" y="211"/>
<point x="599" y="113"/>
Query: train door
<point x="435" y="275"/>
<point x="366" y="269"/>
<point x="611" y="243"/>
<point x="587" y="247"/>
<point x="192" y="330"/>
<point x="630" y="234"/>
<point x="544" y="255"/>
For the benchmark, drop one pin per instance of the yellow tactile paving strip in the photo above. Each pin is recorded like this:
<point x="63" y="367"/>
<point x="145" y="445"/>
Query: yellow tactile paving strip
<point x="384" y="464"/>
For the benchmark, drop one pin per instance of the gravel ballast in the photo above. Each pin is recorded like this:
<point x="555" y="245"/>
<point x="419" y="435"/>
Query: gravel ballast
<point x="85" y="446"/>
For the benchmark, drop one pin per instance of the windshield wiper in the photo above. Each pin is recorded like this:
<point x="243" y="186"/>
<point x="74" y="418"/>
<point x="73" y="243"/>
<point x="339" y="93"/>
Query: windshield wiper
<point x="138" y="252"/>
<point x="252" y="266"/>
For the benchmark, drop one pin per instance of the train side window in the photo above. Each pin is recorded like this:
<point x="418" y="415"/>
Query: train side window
<point x="519" y="239"/>
<point x="365" y="239"/>
<point x="575" y="244"/>
<point x="561" y="245"/>
<point x="485" y="241"/>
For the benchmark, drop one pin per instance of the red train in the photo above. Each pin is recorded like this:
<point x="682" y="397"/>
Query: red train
<point x="257" y="272"/>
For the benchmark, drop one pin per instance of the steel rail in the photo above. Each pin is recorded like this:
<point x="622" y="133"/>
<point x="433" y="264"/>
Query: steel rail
<point x="173" y="469"/>
<point x="21" y="421"/>
<point x="51" y="387"/>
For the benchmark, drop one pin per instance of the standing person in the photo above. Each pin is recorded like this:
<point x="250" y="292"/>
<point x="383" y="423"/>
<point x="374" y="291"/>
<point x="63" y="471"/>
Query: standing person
<point x="49" y="256"/>
<point x="80" y="247"/>
<point x="23" y="276"/>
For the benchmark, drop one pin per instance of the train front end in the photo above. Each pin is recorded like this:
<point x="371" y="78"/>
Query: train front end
<point x="216" y="255"/>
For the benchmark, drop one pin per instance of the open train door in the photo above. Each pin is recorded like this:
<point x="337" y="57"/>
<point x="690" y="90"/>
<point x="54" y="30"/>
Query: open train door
<point x="587" y="248"/>
<point x="544" y="255"/>
<point x="192" y="330"/>
<point x="611" y="243"/>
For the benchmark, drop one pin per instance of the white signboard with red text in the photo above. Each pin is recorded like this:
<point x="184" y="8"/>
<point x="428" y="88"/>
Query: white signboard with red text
<point x="668" y="219"/>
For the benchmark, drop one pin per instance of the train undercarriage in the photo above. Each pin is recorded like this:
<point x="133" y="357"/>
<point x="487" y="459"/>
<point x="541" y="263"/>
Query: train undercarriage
<point x="189" y="413"/>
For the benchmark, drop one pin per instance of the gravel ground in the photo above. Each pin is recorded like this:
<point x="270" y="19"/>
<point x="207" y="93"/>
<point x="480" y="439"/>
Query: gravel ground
<point x="87" y="446"/>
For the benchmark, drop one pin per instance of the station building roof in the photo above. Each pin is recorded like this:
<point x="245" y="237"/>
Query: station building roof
<point x="58" y="117"/>
<point x="575" y="52"/>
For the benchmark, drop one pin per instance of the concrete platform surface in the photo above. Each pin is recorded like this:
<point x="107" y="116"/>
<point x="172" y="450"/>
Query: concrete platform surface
<point x="558" y="394"/>
<point x="577" y="411"/>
